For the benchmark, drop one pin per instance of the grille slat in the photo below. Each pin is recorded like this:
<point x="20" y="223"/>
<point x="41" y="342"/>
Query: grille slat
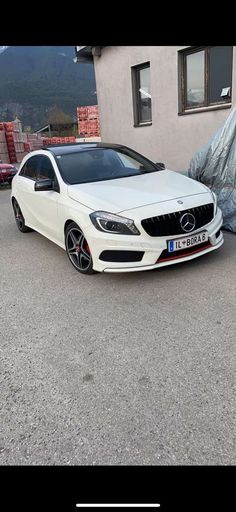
<point x="169" y="224"/>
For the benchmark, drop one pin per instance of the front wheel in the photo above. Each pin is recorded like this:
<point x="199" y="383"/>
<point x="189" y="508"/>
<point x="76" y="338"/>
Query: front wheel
<point x="20" y="221"/>
<point x="78" y="250"/>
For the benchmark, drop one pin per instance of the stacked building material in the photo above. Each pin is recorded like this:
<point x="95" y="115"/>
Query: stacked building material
<point x="26" y="147"/>
<point x="4" y="158"/>
<point x="19" y="145"/>
<point x="12" y="142"/>
<point x="48" y="141"/>
<point x="9" y="132"/>
<point x="34" y="140"/>
<point x="15" y="144"/>
<point x="88" y="121"/>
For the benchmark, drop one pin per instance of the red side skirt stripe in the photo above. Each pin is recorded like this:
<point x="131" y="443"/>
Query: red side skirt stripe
<point x="183" y="255"/>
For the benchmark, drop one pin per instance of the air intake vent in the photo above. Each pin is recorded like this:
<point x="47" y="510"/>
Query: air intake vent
<point x="121" y="256"/>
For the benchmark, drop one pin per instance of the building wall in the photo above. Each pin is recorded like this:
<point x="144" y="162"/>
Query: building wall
<point x="171" y="138"/>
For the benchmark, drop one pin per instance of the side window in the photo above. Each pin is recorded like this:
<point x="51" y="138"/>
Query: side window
<point x="142" y="100"/>
<point x="29" y="170"/>
<point x="45" y="169"/>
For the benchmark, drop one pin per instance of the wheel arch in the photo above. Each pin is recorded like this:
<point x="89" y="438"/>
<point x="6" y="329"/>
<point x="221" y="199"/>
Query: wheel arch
<point x="69" y="221"/>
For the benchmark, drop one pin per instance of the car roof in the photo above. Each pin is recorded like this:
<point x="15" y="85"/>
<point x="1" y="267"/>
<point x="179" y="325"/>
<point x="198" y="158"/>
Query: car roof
<point x="65" y="149"/>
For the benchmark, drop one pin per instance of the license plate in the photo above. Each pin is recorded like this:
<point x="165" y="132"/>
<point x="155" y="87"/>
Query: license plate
<point x="188" y="241"/>
<point x="3" y="170"/>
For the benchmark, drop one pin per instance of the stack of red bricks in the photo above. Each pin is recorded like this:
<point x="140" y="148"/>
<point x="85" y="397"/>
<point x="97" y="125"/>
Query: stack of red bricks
<point x="12" y="140"/>
<point x="48" y="141"/>
<point x="88" y="121"/>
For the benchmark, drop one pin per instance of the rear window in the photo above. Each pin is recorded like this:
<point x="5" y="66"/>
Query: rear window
<point x="99" y="164"/>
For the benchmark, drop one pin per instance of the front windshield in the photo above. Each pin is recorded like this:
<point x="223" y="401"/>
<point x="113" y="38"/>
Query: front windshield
<point x="99" y="164"/>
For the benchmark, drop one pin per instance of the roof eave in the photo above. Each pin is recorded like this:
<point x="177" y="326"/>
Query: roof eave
<point x="86" y="53"/>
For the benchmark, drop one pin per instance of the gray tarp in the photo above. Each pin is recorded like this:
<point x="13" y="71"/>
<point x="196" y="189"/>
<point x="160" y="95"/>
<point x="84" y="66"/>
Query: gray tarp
<point x="215" y="166"/>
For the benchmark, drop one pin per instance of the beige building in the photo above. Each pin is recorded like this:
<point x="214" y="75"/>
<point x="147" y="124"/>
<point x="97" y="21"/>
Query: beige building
<point x="163" y="101"/>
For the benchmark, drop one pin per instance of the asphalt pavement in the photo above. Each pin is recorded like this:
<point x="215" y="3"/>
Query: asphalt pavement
<point x="119" y="369"/>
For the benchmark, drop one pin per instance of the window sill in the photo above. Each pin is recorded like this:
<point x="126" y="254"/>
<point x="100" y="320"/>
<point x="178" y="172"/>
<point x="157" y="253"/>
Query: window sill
<point x="149" y="123"/>
<point x="205" y="109"/>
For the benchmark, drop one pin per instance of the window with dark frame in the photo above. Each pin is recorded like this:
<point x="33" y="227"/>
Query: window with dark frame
<point x="205" y="77"/>
<point x="142" y="102"/>
<point x="38" y="167"/>
<point x="29" y="170"/>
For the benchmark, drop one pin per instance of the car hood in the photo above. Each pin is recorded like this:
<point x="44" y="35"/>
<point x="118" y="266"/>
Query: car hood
<point x="122" y="194"/>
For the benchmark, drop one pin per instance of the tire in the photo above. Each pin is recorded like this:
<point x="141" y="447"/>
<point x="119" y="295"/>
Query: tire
<point x="20" y="221"/>
<point x="77" y="249"/>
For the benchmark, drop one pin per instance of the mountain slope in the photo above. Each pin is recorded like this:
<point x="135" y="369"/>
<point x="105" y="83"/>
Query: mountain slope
<point x="35" y="78"/>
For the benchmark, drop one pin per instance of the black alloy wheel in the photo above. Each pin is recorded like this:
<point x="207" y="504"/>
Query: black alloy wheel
<point x="78" y="249"/>
<point x="20" y="221"/>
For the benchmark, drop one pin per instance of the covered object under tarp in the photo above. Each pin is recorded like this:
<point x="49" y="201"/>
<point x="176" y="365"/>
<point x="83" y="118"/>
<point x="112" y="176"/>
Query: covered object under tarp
<point x="215" y="166"/>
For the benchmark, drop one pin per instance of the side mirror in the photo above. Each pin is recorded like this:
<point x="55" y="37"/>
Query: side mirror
<point x="44" y="184"/>
<point x="160" y="165"/>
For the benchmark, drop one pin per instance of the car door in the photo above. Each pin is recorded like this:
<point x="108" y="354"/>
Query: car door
<point x="25" y="193"/>
<point x="46" y="201"/>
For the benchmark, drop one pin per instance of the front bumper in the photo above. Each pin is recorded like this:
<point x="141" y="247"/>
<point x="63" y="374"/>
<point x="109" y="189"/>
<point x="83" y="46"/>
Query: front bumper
<point x="152" y="247"/>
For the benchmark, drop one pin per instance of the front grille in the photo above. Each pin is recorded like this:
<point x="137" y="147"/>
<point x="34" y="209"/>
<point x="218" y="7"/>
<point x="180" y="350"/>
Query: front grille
<point x="166" y="255"/>
<point x="169" y="224"/>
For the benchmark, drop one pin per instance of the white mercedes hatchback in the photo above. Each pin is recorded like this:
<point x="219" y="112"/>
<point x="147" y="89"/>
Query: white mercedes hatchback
<point x="112" y="209"/>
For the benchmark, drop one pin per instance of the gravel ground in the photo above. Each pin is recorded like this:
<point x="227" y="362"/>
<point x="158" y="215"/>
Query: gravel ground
<point x="114" y="369"/>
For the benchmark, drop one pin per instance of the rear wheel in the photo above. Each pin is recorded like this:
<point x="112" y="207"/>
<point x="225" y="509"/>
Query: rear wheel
<point x="20" y="221"/>
<point x="78" y="250"/>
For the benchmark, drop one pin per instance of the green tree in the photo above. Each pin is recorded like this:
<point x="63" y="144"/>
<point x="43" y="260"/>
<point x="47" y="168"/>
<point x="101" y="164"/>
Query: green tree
<point x="57" y="116"/>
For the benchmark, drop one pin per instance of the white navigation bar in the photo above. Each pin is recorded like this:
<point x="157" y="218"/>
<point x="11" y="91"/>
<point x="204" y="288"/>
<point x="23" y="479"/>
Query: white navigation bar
<point x="118" y="505"/>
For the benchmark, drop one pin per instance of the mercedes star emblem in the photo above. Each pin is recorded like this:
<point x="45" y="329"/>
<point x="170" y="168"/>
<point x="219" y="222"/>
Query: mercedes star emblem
<point x="187" y="222"/>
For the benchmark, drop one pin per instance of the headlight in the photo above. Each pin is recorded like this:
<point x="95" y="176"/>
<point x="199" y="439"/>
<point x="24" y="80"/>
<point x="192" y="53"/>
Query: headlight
<point x="110" y="223"/>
